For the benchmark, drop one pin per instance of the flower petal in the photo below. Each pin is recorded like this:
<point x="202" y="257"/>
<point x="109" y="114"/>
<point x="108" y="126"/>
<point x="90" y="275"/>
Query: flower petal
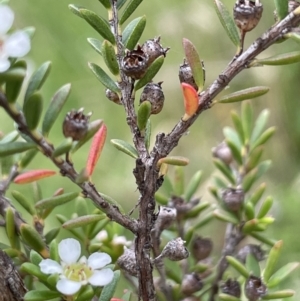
<point x="69" y="250"/>
<point x="68" y="287"/>
<point x="6" y="17"/>
<point x="49" y="266"/>
<point x="17" y="44"/>
<point x="98" y="260"/>
<point x="4" y="63"/>
<point x="101" y="278"/>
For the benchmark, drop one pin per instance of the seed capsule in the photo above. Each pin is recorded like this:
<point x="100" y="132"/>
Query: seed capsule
<point x="247" y="14"/>
<point x="127" y="262"/>
<point x="254" y="288"/>
<point x="153" y="93"/>
<point x="175" y="250"/>
<point x="233" y="198"/>
<point x="201" y="248"/>
<point x="76" y="124"/>
<point x="191" y="283"/>
<point x="135" y="63"/>
<point x="154" y="49"/>
<point x="231" y="287"/>
<point x="222" y="152"/>
<point x="186" y="76"/>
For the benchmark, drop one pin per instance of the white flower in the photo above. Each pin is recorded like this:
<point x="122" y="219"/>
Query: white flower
<point x="74" y="273"/>
<point x="16" y="44"/>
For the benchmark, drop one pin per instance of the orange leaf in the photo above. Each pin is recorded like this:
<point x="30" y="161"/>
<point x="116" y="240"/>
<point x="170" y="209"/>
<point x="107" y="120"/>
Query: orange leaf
<point x="191" y="101"/>
<point x="96" y="149"/>
<point x="33" y="175"/>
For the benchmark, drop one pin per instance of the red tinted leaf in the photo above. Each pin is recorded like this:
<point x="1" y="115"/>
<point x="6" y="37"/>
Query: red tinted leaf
<point x="191" y="101"/>
<point x="96" y="149"/>
<point x="33" y="175"/>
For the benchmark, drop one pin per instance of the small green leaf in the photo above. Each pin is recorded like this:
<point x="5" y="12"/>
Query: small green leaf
<point x="232" y="135"/>
<point x="111" y="201"/>
<point x="96" y="44"/>
<point x="282" y="8"/>
<point x="86" y="293"/>
<point x="150" y="73"/>
<point x="33" y="108"/>
<point x="193" y="185"/>
<point x="238" y="266"/>
<point x="282" y="274"/>
<point x="23" y="201"/>
<point x="10" y="227"/>
<point x="280" y="59"/>
<point x="27" y="158"/>
<point x="265" y="207"/>
<point x="94" y="126"/>
<point x="105" y="3"/>
<point x="98" y="23"/>
<point x="227" y="22"/>
<point x="161" y="199"/>
<point x="37" y="79"/>
<point x="75" y="9"/>
<point x="252" y="265"/>
<point x="10" y="137"/>
<point x="259" y="125"/>
<point x="225" y="216"/>
<point x="254" y="158"/>
<point x="143" y="115"/>
<point x="265" y="240"/>
<point x="236" y="152"/>
<point x="204" y="220"/>
<point x="278" y="295"/>
<point x="57" y="102"/>
<point x="257" y="194"/>
<point x="129" y="9"/>
<point x="197" y="210"/>
<point x="63" y="148"/>
<point x="13" y="74"/>
<point x="39" y="295"/>
<point x="174" y="160"/>
<point x="79" y="234"/>
<point x="109" y="289"/>
<point x="56" y="200"/>
<point x="32" y="269"/>
<point x="53" y="249"/>
<point x="120" y="3"/>
<point x="103" y="77"/>
<point x="293" y="35"/>
<point x="109" y="56"/>
<point x="133" y="32"/>
<point x="15" y="148"/>
<point x="264" y="137"/>
<point x="226" y="171"/>
<point x="179" y="181"/>
<point x="194" y="61"/>
<point x="35" y="257"/>
<point x="247" y="120"/>
<point x="272" y="260"/>
<point x="244" y="94"/>
<point x="238" y="126"/>
<point x="52" y="234"/>
<point x="83" y="221"/>
<point x="125" y="147"/>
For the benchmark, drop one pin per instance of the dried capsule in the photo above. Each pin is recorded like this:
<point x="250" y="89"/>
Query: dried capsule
<point x="222" y="152"/>
<point x="135" y="63"/>
<point x="186" y="76"/>
<point x="201" y="247"/>
<point x="154" y="49"/>
<point x="191" y="283"/>
<point x="153" y="93"/>
<point x="233" y="198"/>
<point x="231" y="287"/>
<point x="127" y="262"/>
<point x="164" y="219"/>
<point x="175" y="250"/>
<point x="247" y="14"/>
<point x="113" y="96"/>
<point x="254" y="288"/>
<point x="76" y="124"/>
<point x="252" y="249"/>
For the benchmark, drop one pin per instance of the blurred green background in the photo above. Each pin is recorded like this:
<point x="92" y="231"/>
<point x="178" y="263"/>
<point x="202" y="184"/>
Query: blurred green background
<point x="61" y="37"/>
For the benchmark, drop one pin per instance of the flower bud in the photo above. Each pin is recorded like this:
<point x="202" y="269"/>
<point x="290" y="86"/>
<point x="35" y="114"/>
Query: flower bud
<point x="254" y="288"/>
<point x="255" y="250"/>
<point x="231" y="287"/>
<point x="135" y="63"/>
<point x="127" y="262"/>
<point x="233" y="198"/>
<point x="201" y="248"/>
<point x="153" y="49"/>
<point x="191" y="284"/>
<point x="76" y="124"/>
<point x="175" y="250"/>
<point x="155" y="95"/>
<point x="222" y="152"/>
<point x="186" y="76"/>
<point x="113" y="96"/>
<point x="247" y="14"/>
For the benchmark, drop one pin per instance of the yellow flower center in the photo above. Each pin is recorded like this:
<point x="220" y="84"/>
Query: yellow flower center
<point x="78" y="272"/>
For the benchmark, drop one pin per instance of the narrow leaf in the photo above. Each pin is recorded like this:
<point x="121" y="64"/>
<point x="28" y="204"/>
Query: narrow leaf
<point x="244" y="94"/>
<point x="194" y="61"/>
<point x="96" y="44"/>
<point x="83" y="221"/>
<point x="56" y="200"/>
<point x="103" y="77"/>
<point x="125" y="147"/>
<point x="75" y="9"/>
<point x="150" y="73"/>
<point x="179" y="181"/>
<point x="259" y="125"/>
<point x="111" y="201"/>
<point x="33" y="108"/>
<point x="10" y="137"/>
<point x="282" y="8"/>
<point x="51" y="235"/>
<point x="278" y="295"/>
<point x="129" y="9"/>
<point x="247" y="120"/>
<point x="238" y="126"/>
<point x="120" y="3"/>
<point x="238" y="266"/>
<point x="264" y="239"/>
<point x="39" y="295"/>
<point x="55" y="106"/>
<point x="15" y="148"/>
<point x="33" y="175"/>
<point x="143" y="115"/>
<point x="96" y="149"/>
<point x="63" y="148"/>
<point x="226" y="171"/>
<point x="227" y="22"/>
<point x="265" y="207"/>
<point x="23" y="201"/>
<point x="257" y="194"/>
<point x="27" y="158"/>
<point x="37" y="79"/>
<point x="98" y="23"/>
<point x="174" y="160"/>
<point x="281" y="59"/>
<point x="193" y="185"/>
<point x="109" y="56"/>
<point x="105" y="3"/>
<point x="191" y="101"/>
<point x="109" y="289"/>
<point x="226" y="217"/>
<point x="264" y="137"/>
<point x="133" y="32"/>
<point x="10" y="227"/>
